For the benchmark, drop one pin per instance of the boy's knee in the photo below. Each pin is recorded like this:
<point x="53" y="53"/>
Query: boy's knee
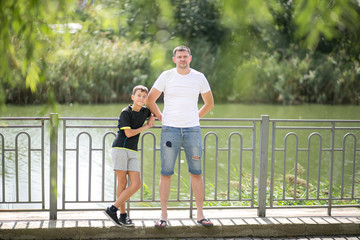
<point x="137" y="185"/>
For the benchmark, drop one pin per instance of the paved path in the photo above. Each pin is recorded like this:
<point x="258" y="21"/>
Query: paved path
<point x="229" y="224"/>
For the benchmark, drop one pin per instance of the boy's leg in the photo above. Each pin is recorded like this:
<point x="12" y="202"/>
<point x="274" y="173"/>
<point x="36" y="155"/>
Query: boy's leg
<point x="135" y="185"/>
<point x="121" y="185"/>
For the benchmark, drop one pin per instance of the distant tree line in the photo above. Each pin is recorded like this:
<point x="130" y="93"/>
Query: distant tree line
<point x="276" y="51"/>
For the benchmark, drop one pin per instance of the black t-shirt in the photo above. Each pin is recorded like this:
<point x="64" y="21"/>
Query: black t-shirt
<point x="130" y="119"/>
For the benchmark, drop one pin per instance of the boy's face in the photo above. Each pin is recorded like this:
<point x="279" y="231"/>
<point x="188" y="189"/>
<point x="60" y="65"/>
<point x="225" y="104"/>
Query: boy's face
<point x="139" y="98"/>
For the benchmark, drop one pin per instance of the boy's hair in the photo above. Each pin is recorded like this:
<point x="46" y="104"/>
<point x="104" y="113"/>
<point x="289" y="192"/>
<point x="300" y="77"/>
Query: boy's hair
<point x="181" y="48"/>
<point x="141" y="88"/>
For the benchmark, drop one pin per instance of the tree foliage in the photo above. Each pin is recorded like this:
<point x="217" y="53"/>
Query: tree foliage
<point x="287" y="51"/>
<point x="25" y="35"/>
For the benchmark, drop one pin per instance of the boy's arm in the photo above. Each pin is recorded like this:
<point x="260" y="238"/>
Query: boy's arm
<point x="132" y="132"/>
<point x="208" y="103"/>
<point x="154" y="94"/>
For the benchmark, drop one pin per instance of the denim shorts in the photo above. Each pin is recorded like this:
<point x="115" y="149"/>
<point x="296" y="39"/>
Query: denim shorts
<point x="172" y="139"/>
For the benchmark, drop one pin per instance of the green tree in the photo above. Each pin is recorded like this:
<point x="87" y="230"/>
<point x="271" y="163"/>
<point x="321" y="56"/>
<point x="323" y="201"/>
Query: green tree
<point x="25" y="36"/>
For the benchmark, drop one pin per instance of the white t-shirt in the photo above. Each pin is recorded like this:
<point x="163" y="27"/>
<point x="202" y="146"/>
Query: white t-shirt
<point x="181" y="94"/>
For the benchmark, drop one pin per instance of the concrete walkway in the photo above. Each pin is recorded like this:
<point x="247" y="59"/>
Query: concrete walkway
<point x="284" y="223"/>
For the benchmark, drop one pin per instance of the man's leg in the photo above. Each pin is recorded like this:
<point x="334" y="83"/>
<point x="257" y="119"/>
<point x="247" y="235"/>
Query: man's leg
<point x="170" y="146"/>
<point x="164" y="191"/>
<point x="192" y="144"/>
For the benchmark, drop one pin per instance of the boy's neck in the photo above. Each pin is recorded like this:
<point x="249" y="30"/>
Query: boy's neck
<point x="135" y="108"/>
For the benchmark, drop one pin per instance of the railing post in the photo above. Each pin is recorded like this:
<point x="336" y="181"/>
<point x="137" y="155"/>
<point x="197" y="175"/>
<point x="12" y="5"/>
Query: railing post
<point x="54" y="120"/>
<point x="263" y="160"/>
<point x="331" y="166"/>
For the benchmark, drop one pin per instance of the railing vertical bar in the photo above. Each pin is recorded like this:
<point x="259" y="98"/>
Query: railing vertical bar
<point x="319" y="169"/>
<point x="29" y="169"/>
<point x="228" y="168"/>
<point x="264" y="141"/>
<point x="204" y="164"/>
<point x="103" y="169"/>
<point x="308" y="167"/>
<point x="17" y="168"/>
<point x="154" y="171"/>
<point x="353" y="170"/>
<point x="296" y="165"/>
<point x="253" y="165"/>
<point x="142" y="168"/>
<point x="42" y="164"/>
<point x="178" y="177"/>
<point x="3" y="166"/>
<point x="64" y="166"/>
<point x="90" y="168"/>
<point x="217" y="165"/>
<point x="53" y="164"/>
<point x="273" y="138"/>
<point x="77" y="169"/>
<point x="284" y="171"/>
<point x="241" y="167"/>
<point x="332" y="147"/>
<point x="343" y="168"/>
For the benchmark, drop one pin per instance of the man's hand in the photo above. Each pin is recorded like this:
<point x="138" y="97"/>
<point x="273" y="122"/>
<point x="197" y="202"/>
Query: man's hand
<point x="151" y="121"/>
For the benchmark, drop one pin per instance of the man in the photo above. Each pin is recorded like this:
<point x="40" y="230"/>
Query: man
<point x="181" y="126"/>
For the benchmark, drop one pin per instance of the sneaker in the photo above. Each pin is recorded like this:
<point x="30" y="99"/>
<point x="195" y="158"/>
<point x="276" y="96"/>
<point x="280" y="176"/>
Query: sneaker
<point x="126" y="221"/>
<point x="112" y="216"/>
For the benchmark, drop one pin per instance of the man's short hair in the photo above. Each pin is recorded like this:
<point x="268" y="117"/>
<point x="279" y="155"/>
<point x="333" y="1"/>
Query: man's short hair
<point x="141" y="88"/>
<point x="181" y="48"/>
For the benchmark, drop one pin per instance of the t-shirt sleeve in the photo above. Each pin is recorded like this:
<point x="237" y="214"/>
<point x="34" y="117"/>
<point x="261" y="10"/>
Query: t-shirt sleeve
<point x="205" y="86"/>
<point x="148" y="113"/>
<point x="160" y="82"/>
<point x="124" y="121"/>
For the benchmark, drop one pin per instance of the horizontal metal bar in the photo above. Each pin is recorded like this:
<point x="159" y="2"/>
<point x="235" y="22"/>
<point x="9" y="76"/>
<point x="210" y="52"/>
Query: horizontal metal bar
<point x="21" y="126"/>
<point x="315" y="120"/>
<point x="19" y="202"/>
<point x="88" y="118"/>
<point x="226" y="127"/>
<point x="304" y="128"/>
<point x="202" y="119"/>
<point x="24" y="118"/>
<point x="91" y="126"/>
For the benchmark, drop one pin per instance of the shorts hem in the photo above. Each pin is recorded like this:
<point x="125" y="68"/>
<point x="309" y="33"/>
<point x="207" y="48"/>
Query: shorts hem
<point x="128" y="170"/>
<point x="125" y="149"/>
<point x="167" y="174"/>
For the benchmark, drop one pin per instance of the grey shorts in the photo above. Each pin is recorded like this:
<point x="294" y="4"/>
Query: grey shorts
<point x="125" y="160"/>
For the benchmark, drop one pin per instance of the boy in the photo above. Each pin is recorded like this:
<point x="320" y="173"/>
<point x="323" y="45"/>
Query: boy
<point x="124" y="147"/>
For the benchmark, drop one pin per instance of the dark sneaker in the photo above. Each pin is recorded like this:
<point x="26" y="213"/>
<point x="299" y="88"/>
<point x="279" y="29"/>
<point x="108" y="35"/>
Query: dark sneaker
<point x="125" y="221"/>
<point x="112" y="216"/>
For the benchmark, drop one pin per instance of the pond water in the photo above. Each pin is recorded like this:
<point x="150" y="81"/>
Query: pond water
<point x="220" y="111"/>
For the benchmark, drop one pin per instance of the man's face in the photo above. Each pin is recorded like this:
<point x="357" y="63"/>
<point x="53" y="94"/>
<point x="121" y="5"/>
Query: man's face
<point x="182" y="59"/>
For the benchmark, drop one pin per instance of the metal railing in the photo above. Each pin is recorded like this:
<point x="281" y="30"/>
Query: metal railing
<point x="17" y="153"/>
<point x="313" y="163"/>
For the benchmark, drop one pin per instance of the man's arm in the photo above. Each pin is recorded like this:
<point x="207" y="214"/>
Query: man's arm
<point x="154" y="94"/>
<point x="208" y="103"/>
